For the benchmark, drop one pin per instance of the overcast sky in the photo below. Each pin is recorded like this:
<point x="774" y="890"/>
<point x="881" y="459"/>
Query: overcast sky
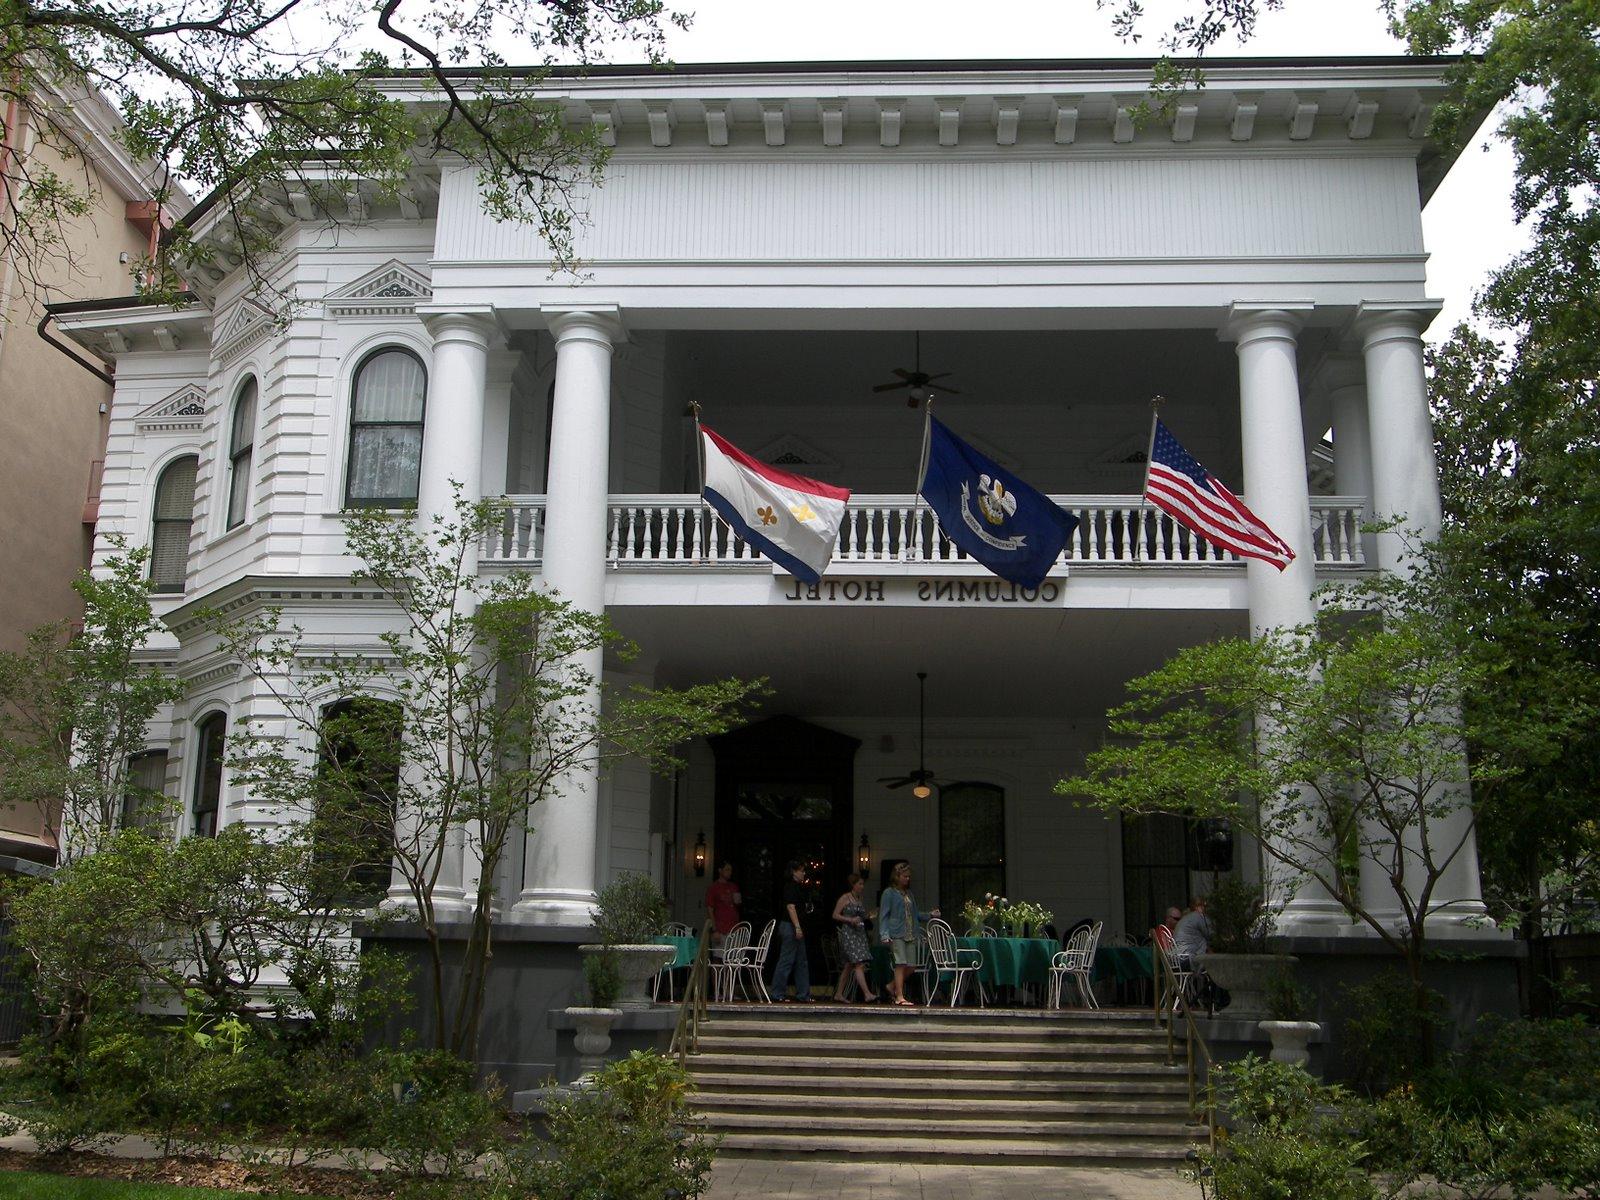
<point x="1467" y="225"/>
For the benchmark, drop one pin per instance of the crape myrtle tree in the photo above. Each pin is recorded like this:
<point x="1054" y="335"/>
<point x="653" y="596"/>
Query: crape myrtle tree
<point x="248" y="100"/>
<point x="1513" y="403"/>
<point x="450" y="733"/>
<point x="75" y="706"/>
<point x="1336" y="745"/>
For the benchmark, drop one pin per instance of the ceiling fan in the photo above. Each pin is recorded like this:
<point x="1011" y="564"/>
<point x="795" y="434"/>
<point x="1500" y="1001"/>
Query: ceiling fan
<point x="921" y="777"/>
<point x="917" y="380"/>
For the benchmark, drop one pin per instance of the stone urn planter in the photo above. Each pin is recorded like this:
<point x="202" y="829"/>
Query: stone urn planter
<point x="637" y="965"/>
<point x="1290" y="1040"/>
<point x="1246" y="978"/>
<point x="592" y="1038"/>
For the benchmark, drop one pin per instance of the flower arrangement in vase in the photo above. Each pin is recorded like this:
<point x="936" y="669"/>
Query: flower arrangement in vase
<point x="1024" y="918"/>
<point x="977" y="914"/>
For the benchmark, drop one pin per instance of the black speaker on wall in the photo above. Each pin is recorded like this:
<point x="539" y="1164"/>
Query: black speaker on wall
<point x="1211" y="844"/>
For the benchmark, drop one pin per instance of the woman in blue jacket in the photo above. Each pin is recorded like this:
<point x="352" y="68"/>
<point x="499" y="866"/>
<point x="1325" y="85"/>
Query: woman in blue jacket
<point x="898" y="918"/>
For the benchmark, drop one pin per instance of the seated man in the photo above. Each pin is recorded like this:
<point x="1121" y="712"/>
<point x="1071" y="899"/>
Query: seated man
<point x="1192" y="937"/>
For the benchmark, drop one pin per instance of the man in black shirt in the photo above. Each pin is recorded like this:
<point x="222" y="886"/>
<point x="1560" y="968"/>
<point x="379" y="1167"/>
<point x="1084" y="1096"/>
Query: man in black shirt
<point x="792" y="940"/>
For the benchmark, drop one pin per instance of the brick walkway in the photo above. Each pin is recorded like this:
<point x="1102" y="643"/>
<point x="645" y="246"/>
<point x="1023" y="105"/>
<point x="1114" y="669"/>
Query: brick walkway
<point x="755" y="1179"/>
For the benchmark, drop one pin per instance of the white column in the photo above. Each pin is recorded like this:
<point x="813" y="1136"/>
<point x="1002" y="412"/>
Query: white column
<point x="1352" y="446"/>
<point x="452" y="451"/>
<point x="1405" y="485"/>
<point x="1273" y="435"/>
<point x="559" y="875"/>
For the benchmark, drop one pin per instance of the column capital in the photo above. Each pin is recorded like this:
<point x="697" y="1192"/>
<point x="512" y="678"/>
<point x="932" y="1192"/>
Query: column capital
<point x="585" y="322"/>
<point x="1256" y="320"/>
<point x="1390" y="320"/>
<point x="477" y="325"/>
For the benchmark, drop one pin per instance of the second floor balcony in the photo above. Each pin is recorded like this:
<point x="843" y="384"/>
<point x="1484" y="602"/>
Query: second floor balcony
<point x="898" y="535"/>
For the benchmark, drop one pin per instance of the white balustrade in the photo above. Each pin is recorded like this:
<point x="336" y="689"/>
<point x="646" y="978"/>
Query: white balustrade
<point x="681" y="531"/>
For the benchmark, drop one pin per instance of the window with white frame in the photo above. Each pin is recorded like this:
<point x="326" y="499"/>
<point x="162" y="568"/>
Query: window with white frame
<point x="386" y="406"/>
<point x="241" y="450"/>
<point x="143" y="789"/>
<point x="211" y="737"/>
<point x="172" y="519"/>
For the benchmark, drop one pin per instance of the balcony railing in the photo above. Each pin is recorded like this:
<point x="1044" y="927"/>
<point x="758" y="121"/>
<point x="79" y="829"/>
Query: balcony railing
<point x="668" y="531"/>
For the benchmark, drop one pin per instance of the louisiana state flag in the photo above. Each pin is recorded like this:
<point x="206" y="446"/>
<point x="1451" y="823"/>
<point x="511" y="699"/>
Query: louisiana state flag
<point x="1009" y="527"/>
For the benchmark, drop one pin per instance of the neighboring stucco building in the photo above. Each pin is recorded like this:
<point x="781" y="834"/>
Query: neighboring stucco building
<point x="54" y="409"/>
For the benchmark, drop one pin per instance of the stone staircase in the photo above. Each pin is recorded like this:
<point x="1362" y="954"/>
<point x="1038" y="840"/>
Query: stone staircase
<point x="941" y="1086"/>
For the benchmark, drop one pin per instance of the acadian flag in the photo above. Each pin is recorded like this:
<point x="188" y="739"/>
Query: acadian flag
<point x="792" y="520"/>
<point x="1010" y="527"/>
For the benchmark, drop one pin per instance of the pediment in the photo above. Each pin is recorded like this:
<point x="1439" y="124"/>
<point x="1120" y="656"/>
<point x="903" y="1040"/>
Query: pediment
<point x="791" y="454"/>
<point x="241" y="327"/>
<point x="392" y="288"/>
<point x="184" y="409"/>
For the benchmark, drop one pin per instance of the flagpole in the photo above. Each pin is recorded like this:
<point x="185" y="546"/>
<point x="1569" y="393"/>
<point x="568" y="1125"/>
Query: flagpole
<point x="1150" y="448"/>
<point x="922" y="472"/>
<point x="700" y="463"/>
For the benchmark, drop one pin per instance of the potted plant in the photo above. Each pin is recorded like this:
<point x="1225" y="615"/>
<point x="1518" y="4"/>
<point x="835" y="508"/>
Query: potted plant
<point x="1238" y="961"/>
<point x="629" y="915"/>
<point x="1025" y="918"/>
<point x="1290" y="1032"/>
<point x="592" y="1037"/>
<point x="975" y="915"/>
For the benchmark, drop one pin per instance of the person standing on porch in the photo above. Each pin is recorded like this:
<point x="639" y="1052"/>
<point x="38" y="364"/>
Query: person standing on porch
<point x="792" y="939"/>
<point x="854" y="951"/>
<point x="898" y="917"/>
<point x="722" y="902"/>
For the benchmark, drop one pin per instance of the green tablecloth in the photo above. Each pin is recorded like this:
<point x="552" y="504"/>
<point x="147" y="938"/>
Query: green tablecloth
<point x="1125" y="964"/>
<point x="688" y="947"/>
<point x="1011" y="962"/>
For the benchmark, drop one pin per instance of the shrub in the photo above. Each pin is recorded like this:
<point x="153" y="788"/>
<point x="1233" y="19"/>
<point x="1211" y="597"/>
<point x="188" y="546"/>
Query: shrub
<point x="1510" y="1067"/>
<point x="1239" y="923"/>
<point x="627" y="1136"/>
<point x="1387" y="1040"/>
<point x="1285" y="999"/>
<point x="1282" y="1165"/>
<point x="1266" y="1094"/>
<point x="425" y="1115"/>
<point x="601" y="973"/>
<point x="630" y="911"/>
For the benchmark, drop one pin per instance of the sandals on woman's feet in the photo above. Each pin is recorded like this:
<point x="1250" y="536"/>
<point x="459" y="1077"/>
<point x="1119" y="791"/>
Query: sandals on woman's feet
<point x="902" y="1000"/>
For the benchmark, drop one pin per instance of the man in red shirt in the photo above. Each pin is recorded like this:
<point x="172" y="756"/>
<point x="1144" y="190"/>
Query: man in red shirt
<point x="723" y="901"/>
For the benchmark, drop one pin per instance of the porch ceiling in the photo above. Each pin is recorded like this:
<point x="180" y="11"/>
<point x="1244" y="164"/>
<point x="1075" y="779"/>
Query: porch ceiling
<point x="863" y="662"/>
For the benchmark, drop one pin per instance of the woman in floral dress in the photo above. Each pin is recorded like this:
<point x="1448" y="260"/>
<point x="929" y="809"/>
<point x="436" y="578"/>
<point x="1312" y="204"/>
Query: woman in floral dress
<point x="850" y="914"/>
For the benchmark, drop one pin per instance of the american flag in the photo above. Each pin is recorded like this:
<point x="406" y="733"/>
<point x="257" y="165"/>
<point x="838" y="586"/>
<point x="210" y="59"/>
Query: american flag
<point x="1195" y="498"/>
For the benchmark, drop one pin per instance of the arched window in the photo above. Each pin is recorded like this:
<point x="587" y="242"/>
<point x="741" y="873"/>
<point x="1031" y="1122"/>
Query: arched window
<point x="174" y="515"/>
<point x="211" y="738"/>
<point x="972" y="843"/>
<point x="386" y="408"/>
<point x="352" y="825"/>
<point x="241" y="449"/>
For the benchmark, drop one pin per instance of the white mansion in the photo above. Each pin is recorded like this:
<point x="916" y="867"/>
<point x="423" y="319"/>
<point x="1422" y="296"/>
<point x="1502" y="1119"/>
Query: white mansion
<point x="771" y="243"/>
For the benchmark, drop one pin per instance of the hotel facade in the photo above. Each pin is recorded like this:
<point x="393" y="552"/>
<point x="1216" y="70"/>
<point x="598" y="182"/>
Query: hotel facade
<point x="770" y="243"/>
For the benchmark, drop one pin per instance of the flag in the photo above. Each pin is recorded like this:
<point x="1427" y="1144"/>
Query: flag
<point x="1196" y="499"/>
<point x="792" y="520"/>
<point x="1015" y="531"/>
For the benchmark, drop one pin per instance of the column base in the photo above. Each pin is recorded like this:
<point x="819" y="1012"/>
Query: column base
<point x="551" y="906"/>
<point x="1465" y="919"/>
<point x="1311" y="918"/>
<point x="448" y="905"/>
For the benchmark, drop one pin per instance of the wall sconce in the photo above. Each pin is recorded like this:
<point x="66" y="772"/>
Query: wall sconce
<point x="700" y="854"/>
<point x="864" y="856"/>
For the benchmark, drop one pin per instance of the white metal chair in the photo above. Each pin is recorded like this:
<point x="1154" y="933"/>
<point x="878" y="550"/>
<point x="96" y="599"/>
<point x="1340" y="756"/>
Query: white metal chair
<point x="725" y="961"/>
<point x="752" y="964"/>
<point x="952" y="961"/>
<point x="1076" y="962"/>
<point x="1180" y="980"/>
<point x="678" y="929"/>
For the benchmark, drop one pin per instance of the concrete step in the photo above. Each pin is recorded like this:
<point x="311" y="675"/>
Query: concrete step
<point x="984" y="1150"/>
<point x="806" y="1105"/>
<point x="946" y="1128"/>
<point x="946" y="1048"/>
<point x="937" y="1014"/>
<point x="872" y="1068"/>
<point x="838" y="1025"/>
<point x="922" y="1089"/>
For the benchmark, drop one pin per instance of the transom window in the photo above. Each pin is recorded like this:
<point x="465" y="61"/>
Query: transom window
<point x="174" y="517"/>
<point x="386" y="408"/>
<point x="241" y="450"/>
<point x="211" y="739"/>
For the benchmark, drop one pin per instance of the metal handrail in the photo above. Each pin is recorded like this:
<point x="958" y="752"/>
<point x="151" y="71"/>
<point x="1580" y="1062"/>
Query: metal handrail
<point x="1194" y="1041"/>
<point x="692" y="1008"/>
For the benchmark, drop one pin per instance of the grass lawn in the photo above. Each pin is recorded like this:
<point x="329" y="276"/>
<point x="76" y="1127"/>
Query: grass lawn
<point x="33" y="1185"/>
